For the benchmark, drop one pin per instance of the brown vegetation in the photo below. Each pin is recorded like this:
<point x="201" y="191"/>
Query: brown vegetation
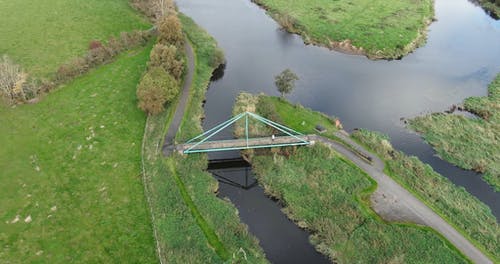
<point x="170" y="30"/>
<point x="99" y="54"/>
<point x="156" y="88"/>
<point x="167" y="57"/>
<point x="14" y="85"/>
<point x="154" y="9"/>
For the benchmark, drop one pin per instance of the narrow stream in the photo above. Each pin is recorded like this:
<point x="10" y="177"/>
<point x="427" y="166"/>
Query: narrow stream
<point x="281" y="239"/>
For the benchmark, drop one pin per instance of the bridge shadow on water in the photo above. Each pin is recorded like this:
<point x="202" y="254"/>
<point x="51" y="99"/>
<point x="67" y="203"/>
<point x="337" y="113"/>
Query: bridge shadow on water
<point x="282" y="240"/>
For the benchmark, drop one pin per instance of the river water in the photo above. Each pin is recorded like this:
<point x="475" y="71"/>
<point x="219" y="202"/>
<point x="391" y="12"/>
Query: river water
<point x="460" y="58"/>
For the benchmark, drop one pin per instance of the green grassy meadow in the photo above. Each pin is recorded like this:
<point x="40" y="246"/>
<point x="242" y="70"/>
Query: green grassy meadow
<point x="41" y="35"/>
<point x="71" y="163"/>
<point x="383" y="29"/>
<point x="192" y="223"/>
<point x="465" y="212"/>
<point x="466" y="142"/>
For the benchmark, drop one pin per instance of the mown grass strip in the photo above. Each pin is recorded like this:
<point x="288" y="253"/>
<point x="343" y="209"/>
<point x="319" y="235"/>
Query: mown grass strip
<point x="207" y="230"/>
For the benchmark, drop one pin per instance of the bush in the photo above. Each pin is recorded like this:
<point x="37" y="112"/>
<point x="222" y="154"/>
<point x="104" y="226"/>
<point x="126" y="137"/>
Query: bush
<point x="167" y="57"/>
<point x="267" y="109"/>
<point x="287" y="22"/>
<point x="217" y="58"/>
<point x="12" y="80"/>
<point x="114" y="46"/>
<point x="73" y="68"/>
<point x="153" y="8"/>
<point x="94" y="44"/>
<point x="170" y="30"/>
<point x="156" y="88"/>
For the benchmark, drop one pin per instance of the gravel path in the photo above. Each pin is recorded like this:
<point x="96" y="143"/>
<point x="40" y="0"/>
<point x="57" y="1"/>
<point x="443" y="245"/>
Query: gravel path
<point x="393" y="202"/>
<point x="168" y="144"/>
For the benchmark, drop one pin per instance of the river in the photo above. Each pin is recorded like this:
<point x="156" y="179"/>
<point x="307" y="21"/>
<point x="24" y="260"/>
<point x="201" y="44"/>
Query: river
<point x="460" y="58"/>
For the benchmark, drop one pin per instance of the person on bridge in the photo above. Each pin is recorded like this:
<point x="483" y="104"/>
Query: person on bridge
<point x="272" y="137"/>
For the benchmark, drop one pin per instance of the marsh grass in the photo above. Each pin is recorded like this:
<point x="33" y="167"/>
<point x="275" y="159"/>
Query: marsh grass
<point x="462" y="210"/>
<point x="328" y="195"/>
<point x="466" y="142"/>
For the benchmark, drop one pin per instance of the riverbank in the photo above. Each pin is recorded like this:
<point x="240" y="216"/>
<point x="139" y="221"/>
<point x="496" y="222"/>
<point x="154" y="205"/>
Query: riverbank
<point x="491" y="7"/>
<point x="470" y="143"/>
<point x="192" y="224"/>
<point x="377" y="29"/>
<point x="306" y="184"/>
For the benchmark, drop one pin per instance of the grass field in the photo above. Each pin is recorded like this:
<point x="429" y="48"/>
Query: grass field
<point x="40" y="36"/>
<point x="462" y="210"/>
<point x="383" y="29"/>
<point x="71" y="164"/>
<point x="466" y="142"/>
<point x="329" y="195"/>
<point x="193" y="225"/>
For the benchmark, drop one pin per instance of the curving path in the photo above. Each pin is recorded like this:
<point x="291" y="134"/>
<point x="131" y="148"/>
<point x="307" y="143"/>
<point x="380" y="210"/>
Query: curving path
<point x="168" y="143"/>
<point x="390" y="197"/>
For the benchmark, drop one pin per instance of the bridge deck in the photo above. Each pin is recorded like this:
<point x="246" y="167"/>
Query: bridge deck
<point x="235" y="144"/>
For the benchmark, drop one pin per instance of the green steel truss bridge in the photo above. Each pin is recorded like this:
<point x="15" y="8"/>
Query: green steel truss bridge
<point x="202" y="142"/>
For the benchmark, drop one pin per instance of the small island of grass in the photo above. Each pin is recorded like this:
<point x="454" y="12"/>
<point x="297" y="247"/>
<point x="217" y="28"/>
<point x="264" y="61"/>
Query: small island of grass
<point x="470" y="143"/>
<point x="378" y="29"/>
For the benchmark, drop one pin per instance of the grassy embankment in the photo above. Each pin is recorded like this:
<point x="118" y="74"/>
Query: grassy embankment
<point x="193" y="225"/>
<point x="465" y="212"/>
<point x="377" y="29"/>
<point x="467" y="142"/>
<point x="491" y="6"/>
<point x="40" y="37"/>
<point x="71" y="164"/>
<point x="328" y="195"/>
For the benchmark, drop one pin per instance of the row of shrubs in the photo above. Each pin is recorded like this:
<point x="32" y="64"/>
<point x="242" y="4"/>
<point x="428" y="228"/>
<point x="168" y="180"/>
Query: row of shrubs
<point x="99" y="53"/>
<point x="161" y="82"/>
<point x="16" y="86"/>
